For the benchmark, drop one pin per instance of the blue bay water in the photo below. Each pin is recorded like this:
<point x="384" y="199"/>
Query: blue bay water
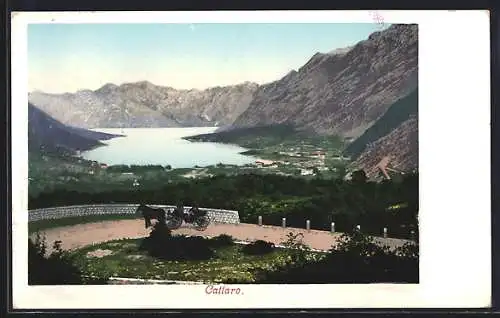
<point x="165" y="146"/>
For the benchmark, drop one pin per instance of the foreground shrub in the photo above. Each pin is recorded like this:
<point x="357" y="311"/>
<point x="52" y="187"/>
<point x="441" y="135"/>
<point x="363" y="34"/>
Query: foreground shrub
<point x="367" y="261"/>
<point x="161" y="244"/>
<point x="258" y="247"/>
<point x="408" y="251"/>
<point x="57" y="268"/>
<point x="358" y="244"/>
<point x="355" y="259"/>
<point x="296" y="249"/>
<point x="222" y="240"/>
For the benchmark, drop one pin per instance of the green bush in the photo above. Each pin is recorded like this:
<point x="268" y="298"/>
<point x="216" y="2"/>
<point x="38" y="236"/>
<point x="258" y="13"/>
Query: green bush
<point x="258" y="247"/>
<point x="296" y="249"/>
<point x="155" y="243"/>
<point x="356" y="259"/>
<point x="222" y="240"/>
<point x="161" y="244"/>
<point x="357" y="243"/>
<point x="57" y="268"/>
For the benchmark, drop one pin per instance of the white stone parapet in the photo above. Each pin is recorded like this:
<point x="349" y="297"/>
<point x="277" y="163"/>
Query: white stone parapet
<point x="216" y="215"/>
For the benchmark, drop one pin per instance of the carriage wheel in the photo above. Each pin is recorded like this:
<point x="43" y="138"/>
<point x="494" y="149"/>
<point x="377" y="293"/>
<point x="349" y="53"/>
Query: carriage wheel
<point x="201" y="223"/>
<point x="174" y="222"/>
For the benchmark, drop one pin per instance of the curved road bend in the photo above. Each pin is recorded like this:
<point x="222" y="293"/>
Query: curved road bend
<point x="80" y="235"/>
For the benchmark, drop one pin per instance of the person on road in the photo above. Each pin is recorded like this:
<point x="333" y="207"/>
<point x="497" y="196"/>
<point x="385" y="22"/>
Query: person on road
<point x="194" y="211"/>
<point x="179" y="210"/>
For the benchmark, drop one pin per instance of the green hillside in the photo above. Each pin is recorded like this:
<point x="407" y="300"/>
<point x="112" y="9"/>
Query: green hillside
<point x="393" y="117"/>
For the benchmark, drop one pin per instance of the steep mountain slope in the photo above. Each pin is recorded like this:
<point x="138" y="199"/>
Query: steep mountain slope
<point x="144" y="104"/>
<point x="400" y="146"/>
<point x="399" y="112"/>
<point x="341" y="92"/>
<point x="47" y="134"/>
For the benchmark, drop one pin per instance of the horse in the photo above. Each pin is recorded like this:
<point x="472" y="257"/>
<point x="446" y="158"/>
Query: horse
<point x="149" y="214"/>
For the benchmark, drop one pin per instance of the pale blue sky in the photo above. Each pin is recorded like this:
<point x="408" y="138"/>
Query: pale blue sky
<point x="69" y="57"/>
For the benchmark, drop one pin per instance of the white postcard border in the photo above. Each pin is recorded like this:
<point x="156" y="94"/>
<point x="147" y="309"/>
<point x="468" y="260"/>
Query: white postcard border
<point x="454" y="129"/>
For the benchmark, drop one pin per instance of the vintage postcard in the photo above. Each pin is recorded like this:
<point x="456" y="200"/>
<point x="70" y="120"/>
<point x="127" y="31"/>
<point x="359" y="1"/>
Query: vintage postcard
<point x="242" y="159"/>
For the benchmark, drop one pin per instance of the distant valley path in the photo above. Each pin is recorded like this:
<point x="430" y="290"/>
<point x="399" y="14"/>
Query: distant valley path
<point x="78" y="236"/>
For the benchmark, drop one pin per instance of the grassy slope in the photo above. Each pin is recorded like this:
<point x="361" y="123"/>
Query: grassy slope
<point x="266" y="136"/>
<point x="243" y="134"/>
<point x="395" y="115"/>
<point x="228" y="263"/>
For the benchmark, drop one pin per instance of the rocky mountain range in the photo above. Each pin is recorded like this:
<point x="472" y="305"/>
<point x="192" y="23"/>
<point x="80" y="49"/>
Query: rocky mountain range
<point x="343" y="92"/>
<point x="45" y="134"/>
<point x="144" y="104"/>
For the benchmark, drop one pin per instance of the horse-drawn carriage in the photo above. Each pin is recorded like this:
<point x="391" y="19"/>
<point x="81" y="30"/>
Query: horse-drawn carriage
<point x="174" y="218"/>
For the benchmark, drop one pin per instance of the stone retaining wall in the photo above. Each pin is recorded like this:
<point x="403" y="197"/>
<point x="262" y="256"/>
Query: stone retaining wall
<point x="216" y="215"/>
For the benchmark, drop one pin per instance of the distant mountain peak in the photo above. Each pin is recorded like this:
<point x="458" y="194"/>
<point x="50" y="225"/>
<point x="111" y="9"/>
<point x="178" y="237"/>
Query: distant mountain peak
<point x="145" y="84"/>
<point x="84" y="92"/>
<point x="341" y="51"/>
<point x="289" y="75"/>
<point x="314" y="60"/>
<point x="108" y="87"/>
<point x="247" y="83"/>
<point x="317" y="55"/>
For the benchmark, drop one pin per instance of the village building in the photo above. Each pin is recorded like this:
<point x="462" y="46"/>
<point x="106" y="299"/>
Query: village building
<point x="264" y="163"/>
<point x="318" y="154"/>
<point x="306" y="172"/>
<point x="348" y="176"/>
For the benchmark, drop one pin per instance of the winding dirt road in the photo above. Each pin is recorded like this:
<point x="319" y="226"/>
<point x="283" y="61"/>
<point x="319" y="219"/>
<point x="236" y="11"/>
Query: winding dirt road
<point x="77" y="236"/>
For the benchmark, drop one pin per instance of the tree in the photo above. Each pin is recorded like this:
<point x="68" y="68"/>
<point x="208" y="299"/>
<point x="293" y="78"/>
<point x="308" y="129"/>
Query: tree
<point x="296" y="249"/>
<point x="272" y="196"/>
<point x="341" y="171"/>
<point x="359" y="177"/>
